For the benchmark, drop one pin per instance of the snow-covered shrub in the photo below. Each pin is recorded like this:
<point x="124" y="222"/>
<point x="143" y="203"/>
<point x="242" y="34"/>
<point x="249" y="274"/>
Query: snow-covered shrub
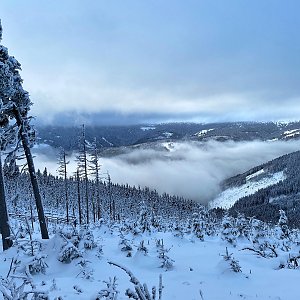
<point x="243" y="227"/>
<point x="86" y="271"/>
<point x="198" y="226"/>
<point x="283" y="225"/>
<point x="28" y="246"/>
<point x="258" y="230"/>
<point x="88" y="240"/>
<point x="78" y="289"/>
<point x="71" y="234"/>
<point x="53" y="286"/>
<point x="178" y="230"/>
<point x="68" y="253"/>
<point x="284" y="233"/>
<point x="234" y="264"/>
<point x="211" y="226"/>
<point x="141" y="291"/>
<point x="37" y="264"/>
<point x="110" y="292"/>
<point x="144" y="220"/>
<point x="20" y="288"/>
<point x="229" y="231"/>
<point x="154" y="220"/>
<point x="165" y="261"/>
<point x="265" y="249"/>
<point x="142" y="248"/>
<point x="99" y="251"/>
<point x="125" y="245"/>
<point x="293" y="261"/>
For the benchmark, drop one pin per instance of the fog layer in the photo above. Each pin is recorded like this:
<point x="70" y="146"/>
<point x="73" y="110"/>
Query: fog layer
<point x="191" y="170"/>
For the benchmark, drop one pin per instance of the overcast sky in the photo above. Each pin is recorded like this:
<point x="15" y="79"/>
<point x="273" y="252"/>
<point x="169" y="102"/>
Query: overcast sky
<point x="148" y="60"/>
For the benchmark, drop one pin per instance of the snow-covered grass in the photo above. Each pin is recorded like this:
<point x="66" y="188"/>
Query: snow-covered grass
<point x="227" y="198"/>
<point x="199" y="269"/>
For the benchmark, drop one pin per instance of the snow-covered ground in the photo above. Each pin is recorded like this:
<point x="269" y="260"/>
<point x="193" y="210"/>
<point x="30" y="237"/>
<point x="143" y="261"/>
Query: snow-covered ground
<point x="105" y="140"/>
<point x="291" y="133"/>
<point x="146" y="128"/>
<point x="203" y="132"/>
<point x="228" y="197"/>
<point x="199" y="270"/>
<point x="168" y="134"/>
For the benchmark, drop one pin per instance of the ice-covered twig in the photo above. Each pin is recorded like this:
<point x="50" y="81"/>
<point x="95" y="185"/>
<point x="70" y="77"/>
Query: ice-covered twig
<point x="142" y="291"/>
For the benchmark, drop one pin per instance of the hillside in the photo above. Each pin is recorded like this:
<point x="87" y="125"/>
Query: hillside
<point x="265" y="189"/>
<point x="196" y="257"/>
<point x="116" y="136"/>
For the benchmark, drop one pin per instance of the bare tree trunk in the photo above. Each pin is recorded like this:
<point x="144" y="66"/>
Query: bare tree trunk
<point x="111" y="204"/>
<point x="4" y="226"/>
<point x="34" y="183"/>
<point x="66" y="186"/>
<point x="79" y="200"/>
<point x="99" y="206"/>
<point x="86" y="184"/>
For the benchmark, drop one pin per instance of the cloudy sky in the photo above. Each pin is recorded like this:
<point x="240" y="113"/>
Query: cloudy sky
<point x="158" y="60"/>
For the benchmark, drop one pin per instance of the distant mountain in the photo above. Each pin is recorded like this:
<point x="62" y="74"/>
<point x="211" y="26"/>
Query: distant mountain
<point x="116" y="136"/>
<point x="265" y="189"/>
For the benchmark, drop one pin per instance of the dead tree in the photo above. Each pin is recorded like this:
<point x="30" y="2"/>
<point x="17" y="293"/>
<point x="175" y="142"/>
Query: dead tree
<point x="62" y="170"/>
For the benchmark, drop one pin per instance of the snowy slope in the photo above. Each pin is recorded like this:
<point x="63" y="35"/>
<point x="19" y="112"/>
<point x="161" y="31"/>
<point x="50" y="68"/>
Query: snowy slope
<point x="228" y="197"/>
<point x="199" y="270"/>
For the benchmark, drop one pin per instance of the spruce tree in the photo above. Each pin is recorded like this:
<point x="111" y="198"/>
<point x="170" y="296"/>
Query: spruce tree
<point x="15" y="105"/>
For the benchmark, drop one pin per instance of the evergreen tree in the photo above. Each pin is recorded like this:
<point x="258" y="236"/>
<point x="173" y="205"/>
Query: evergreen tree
<point x="15" y="105"/>
<point x="283" y="224"/>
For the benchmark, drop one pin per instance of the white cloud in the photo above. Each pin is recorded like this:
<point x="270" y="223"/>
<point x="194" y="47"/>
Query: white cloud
<point x="191" y="170"/>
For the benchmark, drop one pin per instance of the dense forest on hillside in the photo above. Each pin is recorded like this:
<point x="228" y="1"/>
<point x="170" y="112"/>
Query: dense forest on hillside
<point x="266" y="203"/>
<point x="116" y="136"/>
<point x="104" y="200"/>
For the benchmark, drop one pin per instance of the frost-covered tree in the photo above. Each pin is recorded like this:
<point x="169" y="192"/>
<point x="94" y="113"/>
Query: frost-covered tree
<point x="62" y="170"/>
<point x="6" y="134"/>
<point x="94" y="168"/>
<point x="82" y="160"/>
<point x="15" y="122"/>
<point x="283" y="224"/>
<point x="229" y="231"/>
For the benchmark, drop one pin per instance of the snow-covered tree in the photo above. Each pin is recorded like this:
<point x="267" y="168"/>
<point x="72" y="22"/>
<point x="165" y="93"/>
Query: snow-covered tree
<point x="229" y="231"/>
<point x="283" y="224"/>
<point x="82" y="160"/>
<point x="62" y="170"/>
<point x="94" y="168"/>
<point x="15" y="122"/>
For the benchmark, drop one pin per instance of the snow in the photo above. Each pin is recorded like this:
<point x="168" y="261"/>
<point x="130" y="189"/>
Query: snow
<point x="199" y="269"/>
<point x="169" y="146"/>
<point x="105" y="140"/>
<point x="228" y="197"/>
<point x="291" y="133"/>
<point x="255" y="174"/>
<point x="168" y="134"/>
<point x="145" y="128"/>
<point x="41" y="146"/>
<point x="203" y="132"/>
